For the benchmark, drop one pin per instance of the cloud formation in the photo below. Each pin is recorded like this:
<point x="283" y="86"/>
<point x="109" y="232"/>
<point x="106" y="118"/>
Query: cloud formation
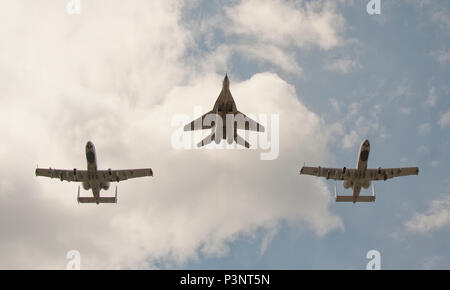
<point x="435" y="218"/>
<point x="116" y="77"/>
<point x="343" y="65"/>
<point x="271" y="32"/>
<point x="445" y="119"/>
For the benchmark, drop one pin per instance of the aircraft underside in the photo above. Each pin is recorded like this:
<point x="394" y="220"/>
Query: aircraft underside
<point x="356" y="197"/>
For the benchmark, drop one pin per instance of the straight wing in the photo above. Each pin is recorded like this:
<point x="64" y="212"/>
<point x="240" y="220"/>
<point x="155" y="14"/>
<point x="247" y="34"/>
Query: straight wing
<point x="245" y="123"/>
<point x="388" y="173"/>
<point x="62" y="174"/>
<point x="197" y="124"/>
<point x="124" y="174"/>
<point x="352" y="174"/>
<point x="333" y="173"/>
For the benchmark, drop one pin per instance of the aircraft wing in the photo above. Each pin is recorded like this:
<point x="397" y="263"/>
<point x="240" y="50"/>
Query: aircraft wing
<point x="62" y="174"/>
<point x="351" y="173"/>
<point x="197" y="124"/>
<point x="124" y="174"/>
<point x="333" y="173"/>
<point x="245" y="123"/>
<point x="388" y="173"/>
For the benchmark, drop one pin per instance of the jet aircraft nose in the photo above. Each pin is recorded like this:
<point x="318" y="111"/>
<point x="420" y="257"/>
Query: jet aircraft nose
<point x="226" y="81"/>
<point x="366" y="143"/>
<point x="89" y="145"/>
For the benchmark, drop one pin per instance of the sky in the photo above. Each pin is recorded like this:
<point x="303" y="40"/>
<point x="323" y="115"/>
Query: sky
<point x="128" y="77"/>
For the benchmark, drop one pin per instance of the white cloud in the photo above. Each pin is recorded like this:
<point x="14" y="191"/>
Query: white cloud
<point x="442" y="55"/>
<point x="423" y="149"/>
<point x="445" y="119"/>
<point x="405" y="111"/>
<point x="270" y="54"/>
<point x="436" y="217"/>
<point x="286" y="23"/>
<point x="343" y="65"/>
<point x="336" y="105"/>
<point x="402" y="90"/>
<point x="432" y="263"/>
<point x="441" y="16"/>
<point x="359" y="124"/>
<point x="271" y="30"/>
<point x="431" y="98"/>
<point x="424" y="129"/>
<point x="116" y="76"/>
<point x="354" y="108"/>
<point x="434" y="163"/>
<point x="350" y="140"/>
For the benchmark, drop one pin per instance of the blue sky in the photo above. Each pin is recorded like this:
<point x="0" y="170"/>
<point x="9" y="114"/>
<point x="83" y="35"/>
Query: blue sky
<point x="398" y="69"/>
<point x="332" y="73"/>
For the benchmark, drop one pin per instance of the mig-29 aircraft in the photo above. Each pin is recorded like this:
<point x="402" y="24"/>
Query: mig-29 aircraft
<point x="218" y="120"/>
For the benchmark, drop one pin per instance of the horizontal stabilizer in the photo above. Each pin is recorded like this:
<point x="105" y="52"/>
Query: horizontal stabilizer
<point x="99" y="200"/>
<point x="241" y="141"/>
<point x="349" y="198"/>
<point x="207" y="140"/>
<point x="96" y="200"/>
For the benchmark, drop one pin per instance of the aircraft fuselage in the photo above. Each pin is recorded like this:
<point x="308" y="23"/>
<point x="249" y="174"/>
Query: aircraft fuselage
<point x="225" y="106"/>
<point x="361" y="166"/>
<point x="95" y="182"/>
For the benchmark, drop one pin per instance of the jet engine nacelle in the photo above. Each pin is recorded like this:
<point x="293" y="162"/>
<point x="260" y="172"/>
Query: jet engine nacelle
<point x="86" y="186"/>
<point x="366" y="184"/>
<point x="348" y="184"/>
<point x="105" y="185"/>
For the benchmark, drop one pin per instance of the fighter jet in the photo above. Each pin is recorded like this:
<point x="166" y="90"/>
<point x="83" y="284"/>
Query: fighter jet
<point x="224" y="120"/>
<point x="94" y="179"/>
<point x="359" y="177"/>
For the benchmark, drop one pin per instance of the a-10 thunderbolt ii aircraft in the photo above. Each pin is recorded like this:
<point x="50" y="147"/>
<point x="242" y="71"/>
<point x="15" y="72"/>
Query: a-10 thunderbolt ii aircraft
<point x="360" y="176"/>
<point x="224" y="120"/>
<point x="94" y="179"/>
